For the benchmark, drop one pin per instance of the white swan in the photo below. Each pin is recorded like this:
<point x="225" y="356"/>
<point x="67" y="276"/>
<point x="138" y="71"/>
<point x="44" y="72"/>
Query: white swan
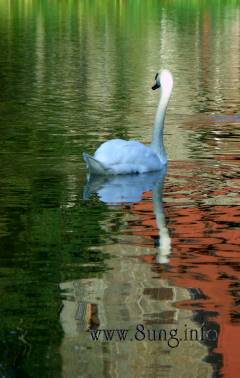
<point x="118" y="156"/>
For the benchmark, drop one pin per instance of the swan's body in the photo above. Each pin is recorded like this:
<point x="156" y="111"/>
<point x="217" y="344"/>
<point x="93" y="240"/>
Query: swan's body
<point x="118" y="156"/>
<point x="122" y="157"/>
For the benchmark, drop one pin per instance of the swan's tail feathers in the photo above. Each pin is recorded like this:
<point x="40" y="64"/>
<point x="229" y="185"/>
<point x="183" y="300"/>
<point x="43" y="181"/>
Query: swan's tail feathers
<point x="94" y="166"/>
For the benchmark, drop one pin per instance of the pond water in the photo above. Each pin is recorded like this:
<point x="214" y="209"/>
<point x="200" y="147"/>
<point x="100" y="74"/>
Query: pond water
<point x="156" y="256"/>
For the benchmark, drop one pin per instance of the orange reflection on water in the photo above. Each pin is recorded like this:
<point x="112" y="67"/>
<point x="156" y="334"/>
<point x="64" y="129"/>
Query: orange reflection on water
<point x="202" y="215"/>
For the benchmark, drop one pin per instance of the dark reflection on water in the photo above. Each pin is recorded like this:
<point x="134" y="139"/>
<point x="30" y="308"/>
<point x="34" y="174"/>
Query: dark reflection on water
<point x="73" y="74"/>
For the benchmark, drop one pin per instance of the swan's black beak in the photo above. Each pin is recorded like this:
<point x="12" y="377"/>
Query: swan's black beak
<point x="155" y="86"/>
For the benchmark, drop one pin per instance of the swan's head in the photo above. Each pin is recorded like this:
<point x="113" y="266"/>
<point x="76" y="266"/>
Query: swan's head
<point x="164" y="80"/>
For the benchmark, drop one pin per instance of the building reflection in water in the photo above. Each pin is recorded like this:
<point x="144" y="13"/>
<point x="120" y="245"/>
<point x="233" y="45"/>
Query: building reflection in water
<point x="129" y="294"/>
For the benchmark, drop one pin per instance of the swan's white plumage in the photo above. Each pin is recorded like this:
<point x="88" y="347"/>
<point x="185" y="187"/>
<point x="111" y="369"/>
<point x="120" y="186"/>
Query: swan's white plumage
<point x="119" y="156"/>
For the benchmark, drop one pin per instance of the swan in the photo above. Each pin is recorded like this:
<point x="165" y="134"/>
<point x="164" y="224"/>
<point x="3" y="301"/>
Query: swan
<point x="118" y="156"/>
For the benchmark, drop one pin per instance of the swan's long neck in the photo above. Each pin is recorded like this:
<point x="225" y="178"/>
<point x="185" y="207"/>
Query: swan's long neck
<point x="157" y="137"/>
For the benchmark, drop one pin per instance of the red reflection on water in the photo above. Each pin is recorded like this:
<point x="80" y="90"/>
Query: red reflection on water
<point x="205" y="247"/>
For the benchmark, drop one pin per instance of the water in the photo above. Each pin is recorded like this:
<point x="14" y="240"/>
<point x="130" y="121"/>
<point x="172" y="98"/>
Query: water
<point x="72" y="75"/>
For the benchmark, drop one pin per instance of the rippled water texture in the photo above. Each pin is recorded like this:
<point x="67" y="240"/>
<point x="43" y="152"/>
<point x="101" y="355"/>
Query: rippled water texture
<point x="157" y="251"/>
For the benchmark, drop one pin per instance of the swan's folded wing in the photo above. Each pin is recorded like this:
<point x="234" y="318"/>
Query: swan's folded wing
<point x="122" y="156"/>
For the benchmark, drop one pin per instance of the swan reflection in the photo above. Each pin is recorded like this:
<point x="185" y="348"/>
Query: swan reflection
<point x="130" y="292"/>
<point x="120" y="189"/>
